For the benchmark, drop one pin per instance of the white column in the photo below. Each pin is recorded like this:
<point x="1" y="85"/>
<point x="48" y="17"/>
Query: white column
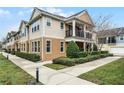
<point x="106" y="39"/>
<point x="73" y="29"/>
<point x="84" y="31"/>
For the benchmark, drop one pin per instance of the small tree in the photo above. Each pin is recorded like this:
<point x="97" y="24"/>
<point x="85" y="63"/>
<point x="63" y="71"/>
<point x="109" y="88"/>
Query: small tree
<point x="72" y="50"/>
<point x="95" y="47"/>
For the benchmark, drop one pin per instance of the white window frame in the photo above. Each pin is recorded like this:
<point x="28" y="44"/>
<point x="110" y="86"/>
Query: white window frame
<point x="49" y="20"/>
<point x="50" y="46"/>
<point x="63" y="47"/>
<point x="61" y="25"/>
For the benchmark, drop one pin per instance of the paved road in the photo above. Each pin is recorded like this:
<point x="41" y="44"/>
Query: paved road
<point x="67" y="76"/>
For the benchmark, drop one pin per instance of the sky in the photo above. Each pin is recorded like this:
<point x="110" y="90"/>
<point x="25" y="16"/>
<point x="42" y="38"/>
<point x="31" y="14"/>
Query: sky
<point x="10" y="17"/>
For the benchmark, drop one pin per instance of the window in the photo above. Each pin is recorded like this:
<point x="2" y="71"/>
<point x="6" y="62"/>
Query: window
<point x="32" y="46"/>
<point x="62" y="46"/>
<point x="37" y="27"/>
<point x="48" y="46"/>
<point x="62" y="25"/>
<point x="35" y="47"/>
<point x="121" y="37"/>
<point x="48" y="22"/>
<point x="38" y="46"/>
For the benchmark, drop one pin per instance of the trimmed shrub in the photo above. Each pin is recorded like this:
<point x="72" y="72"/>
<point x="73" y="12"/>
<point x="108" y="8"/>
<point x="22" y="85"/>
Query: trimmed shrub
<point x="95" y="53"/>
<point x="104" y="52"/>
<point x="64" y="61"/>
<point x="81" y="60"/>
<point x="83" y="54"/>
<point x="31" y="57"/>
<point x="93" y="57"/>
<point x="72" y="50"/>
<point x="110" y="54"/>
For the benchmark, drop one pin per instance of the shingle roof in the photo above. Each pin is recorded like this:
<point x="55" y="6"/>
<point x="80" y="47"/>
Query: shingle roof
<point x="10" y="34"/>
<point x="111" y="32"/>
<point x="50" y="13"/>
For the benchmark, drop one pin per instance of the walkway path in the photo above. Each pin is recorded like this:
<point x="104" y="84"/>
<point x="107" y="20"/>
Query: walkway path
<point x="62" y="77"/>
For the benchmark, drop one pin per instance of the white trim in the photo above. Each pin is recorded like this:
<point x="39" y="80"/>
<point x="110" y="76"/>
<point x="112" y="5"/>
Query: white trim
<point x="50" y="46"/>
<point x="43" y="26"/>
<point x="74" y="39"/>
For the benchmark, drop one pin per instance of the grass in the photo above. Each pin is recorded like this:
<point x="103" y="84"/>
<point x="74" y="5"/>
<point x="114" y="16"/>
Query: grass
<point x="10" y="74"/>
<point x="109" y="74"/>
<point x="56" y="66"/>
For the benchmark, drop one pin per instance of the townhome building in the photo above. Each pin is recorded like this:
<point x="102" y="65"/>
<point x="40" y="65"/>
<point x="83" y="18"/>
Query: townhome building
<point x="10" y="40"/>
<point x="23" y="42"/>
<point x="48" y="35"/>
<point x="112" y="40"/>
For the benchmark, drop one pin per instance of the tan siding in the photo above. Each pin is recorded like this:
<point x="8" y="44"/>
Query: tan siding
<point x="55" y="49"/>
<point x="54" y="30"/>
<point x="85" y="17"/>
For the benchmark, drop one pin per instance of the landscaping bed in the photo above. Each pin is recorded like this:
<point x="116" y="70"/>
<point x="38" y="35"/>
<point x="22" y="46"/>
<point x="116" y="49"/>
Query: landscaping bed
<point x="76" y="56"/>
<point x="74" y="61"/>
<point x="61" y="62"/>
<point x="11" y="74"/>
<point x="109" y="74"/>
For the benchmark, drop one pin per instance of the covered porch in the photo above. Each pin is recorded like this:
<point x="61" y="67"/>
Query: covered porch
<point x="83" y="46"/>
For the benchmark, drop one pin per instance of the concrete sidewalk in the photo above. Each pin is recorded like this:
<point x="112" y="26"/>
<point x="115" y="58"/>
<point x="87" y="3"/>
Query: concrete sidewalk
<point x="83" y="68"/>
<point x="67" y="76"/>
<point x="47" y="76"/>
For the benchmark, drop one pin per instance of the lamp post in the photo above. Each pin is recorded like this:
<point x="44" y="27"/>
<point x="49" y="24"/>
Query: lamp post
<point x="37" y="74"/>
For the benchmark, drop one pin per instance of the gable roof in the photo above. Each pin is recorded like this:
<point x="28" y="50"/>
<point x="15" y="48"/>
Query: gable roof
<point x="111" y="32"/>
<point x="76" y="16"/>
<point x="10" y="34"/>
<point x="46" y="13"/>
<point x="62" y="17"/>
<point x="23" y="21"/>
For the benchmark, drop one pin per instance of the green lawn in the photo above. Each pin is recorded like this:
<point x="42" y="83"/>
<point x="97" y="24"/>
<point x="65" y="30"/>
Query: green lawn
<point x="10" y="74"/>
<point x="109" y="74"/>
<point x="56" y="66"/>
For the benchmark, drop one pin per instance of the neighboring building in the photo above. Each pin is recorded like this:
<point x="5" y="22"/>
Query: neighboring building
<point x="48" y="34"/>
<point x="112" y="40"/>
<point x="23" y="42"/>
<point x="10" y="40"/>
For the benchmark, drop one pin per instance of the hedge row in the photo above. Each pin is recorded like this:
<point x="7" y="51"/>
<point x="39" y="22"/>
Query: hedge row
<point x="74" y="61"/>
<point x="84" y="54"/>
<point x="64" y="61"/>
<point x="31" y="57"/>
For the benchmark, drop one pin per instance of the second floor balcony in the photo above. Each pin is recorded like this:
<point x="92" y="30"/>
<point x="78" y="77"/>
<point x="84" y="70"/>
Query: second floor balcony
<point x="76" y="29"/>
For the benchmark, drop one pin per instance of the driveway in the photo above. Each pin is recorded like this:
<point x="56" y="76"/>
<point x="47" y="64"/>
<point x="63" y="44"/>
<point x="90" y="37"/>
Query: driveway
<point x="66" y="76"/>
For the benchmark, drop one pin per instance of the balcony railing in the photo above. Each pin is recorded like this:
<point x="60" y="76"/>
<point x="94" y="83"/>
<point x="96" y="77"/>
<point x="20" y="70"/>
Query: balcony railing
<point x="69" y="33"/>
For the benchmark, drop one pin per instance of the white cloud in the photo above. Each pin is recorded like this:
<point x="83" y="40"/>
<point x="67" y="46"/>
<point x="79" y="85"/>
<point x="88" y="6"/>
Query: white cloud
<point x="58" y="11"/>
<point x="24" y="11"/>
<point x="4" y="12"/>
